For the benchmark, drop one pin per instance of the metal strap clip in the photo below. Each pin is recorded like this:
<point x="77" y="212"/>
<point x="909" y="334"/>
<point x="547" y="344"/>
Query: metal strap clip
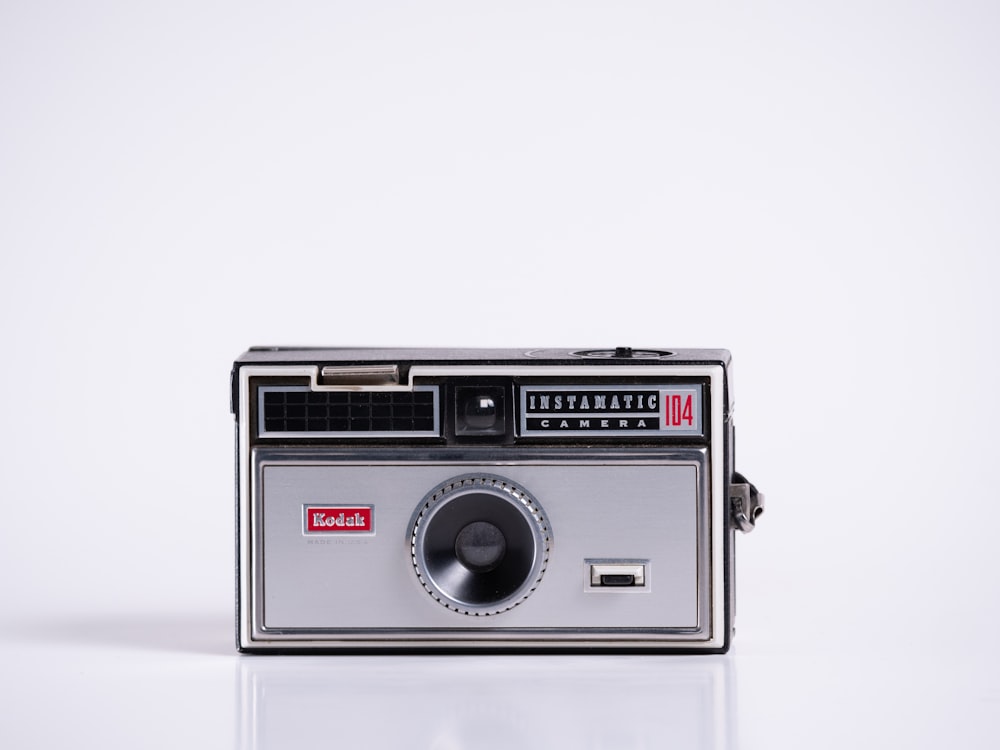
<point x="747" y="503"/>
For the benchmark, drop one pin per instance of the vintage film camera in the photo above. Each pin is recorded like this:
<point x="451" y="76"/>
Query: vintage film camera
<point x="432" y="499"/>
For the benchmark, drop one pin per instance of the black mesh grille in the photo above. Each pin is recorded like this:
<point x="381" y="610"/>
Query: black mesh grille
<point x="337" y="411"/>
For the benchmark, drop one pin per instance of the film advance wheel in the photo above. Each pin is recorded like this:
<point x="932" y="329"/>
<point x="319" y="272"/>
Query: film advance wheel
<point x="480" y="544"/>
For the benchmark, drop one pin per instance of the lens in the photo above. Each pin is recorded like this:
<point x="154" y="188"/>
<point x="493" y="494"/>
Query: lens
<point x="480" y="545"/>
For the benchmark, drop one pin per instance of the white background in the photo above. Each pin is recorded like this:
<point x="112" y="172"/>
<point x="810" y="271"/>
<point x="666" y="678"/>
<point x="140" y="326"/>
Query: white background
<point x="814" y="186"/>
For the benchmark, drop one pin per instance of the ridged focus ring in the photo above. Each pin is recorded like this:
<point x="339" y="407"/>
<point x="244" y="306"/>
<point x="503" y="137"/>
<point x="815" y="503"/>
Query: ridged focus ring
<point x="480" y="544"/>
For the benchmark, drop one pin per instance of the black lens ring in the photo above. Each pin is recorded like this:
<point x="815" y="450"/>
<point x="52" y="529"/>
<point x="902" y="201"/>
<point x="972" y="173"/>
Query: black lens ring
<point x="494" y="501"/>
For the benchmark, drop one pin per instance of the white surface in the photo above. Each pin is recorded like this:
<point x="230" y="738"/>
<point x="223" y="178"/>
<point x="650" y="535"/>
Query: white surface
<point x="812" y="185"/>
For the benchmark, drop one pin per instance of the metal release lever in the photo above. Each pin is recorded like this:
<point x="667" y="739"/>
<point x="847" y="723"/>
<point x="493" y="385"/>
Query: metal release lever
<point x="747" y="503"/>
<point x="360" y="375"/>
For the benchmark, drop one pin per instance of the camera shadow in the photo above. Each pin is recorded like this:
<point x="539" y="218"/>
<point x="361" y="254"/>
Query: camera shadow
<point x="197" y="634"/>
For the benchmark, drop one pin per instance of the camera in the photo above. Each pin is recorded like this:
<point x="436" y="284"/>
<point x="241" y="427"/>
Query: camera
<point x="486" y="500"/>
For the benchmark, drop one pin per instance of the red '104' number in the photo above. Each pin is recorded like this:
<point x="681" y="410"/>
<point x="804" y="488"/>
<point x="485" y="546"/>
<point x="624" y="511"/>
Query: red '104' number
<point x="680" y="410"/>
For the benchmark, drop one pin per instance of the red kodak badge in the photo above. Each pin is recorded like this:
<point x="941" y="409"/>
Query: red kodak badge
<point x="339" y="519"/>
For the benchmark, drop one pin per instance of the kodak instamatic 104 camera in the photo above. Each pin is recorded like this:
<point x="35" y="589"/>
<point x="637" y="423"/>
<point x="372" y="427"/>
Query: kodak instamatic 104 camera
<point x="470" y="500"/>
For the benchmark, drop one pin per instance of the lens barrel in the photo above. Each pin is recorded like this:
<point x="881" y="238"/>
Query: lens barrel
<point x="480" y="544"/>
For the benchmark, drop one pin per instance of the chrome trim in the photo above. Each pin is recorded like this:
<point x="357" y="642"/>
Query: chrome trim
<point x="251" y="638"/>
<point x="600" y="568"/>
<point x="332" y="637"/>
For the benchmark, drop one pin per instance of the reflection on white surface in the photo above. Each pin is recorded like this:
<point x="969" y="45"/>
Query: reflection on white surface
<point x="175" y="681"/>
<point x="445" y="702"/>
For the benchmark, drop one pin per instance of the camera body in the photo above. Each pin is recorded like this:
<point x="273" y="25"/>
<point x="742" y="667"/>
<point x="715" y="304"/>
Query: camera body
<point x="483" y="499"/>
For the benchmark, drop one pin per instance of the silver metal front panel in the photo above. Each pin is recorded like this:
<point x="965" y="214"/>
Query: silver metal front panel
<point x="653" y="507"/>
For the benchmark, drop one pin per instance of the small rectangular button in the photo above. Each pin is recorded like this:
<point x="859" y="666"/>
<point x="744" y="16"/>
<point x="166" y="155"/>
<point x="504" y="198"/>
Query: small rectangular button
<point x="617" y="574"/>
<point x="617" y="579"/>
